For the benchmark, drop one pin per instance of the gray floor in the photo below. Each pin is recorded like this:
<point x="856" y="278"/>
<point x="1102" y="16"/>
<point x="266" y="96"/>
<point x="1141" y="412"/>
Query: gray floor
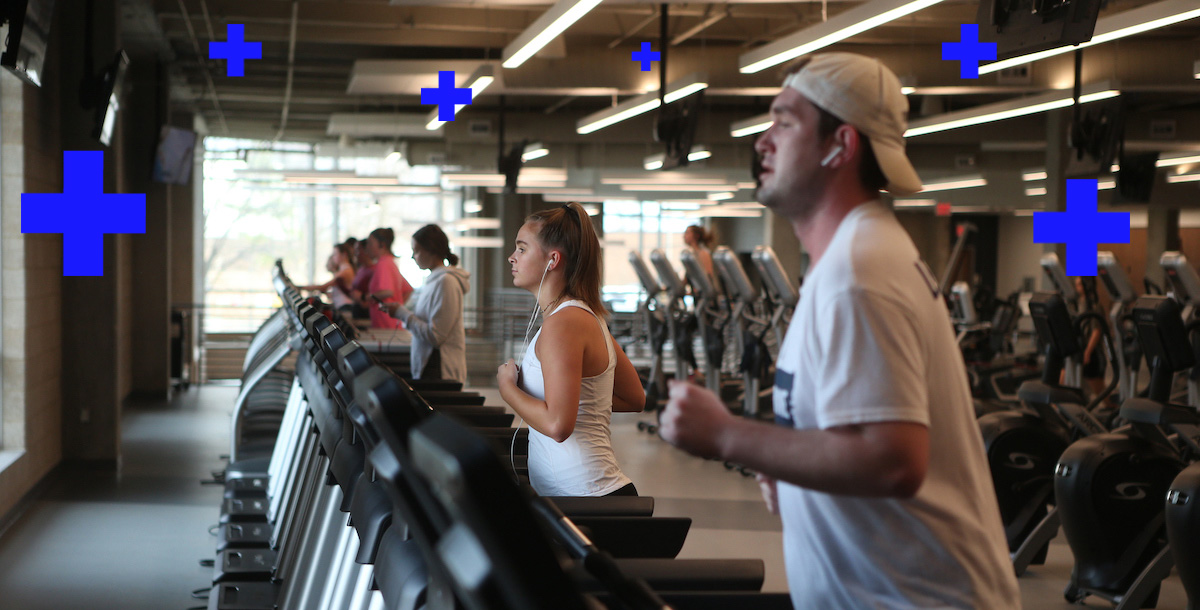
<point x="131" y="542"/>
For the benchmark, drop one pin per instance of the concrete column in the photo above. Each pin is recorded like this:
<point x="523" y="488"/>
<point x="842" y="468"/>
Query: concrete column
<point x="1162" y="235"/>
<point x="92" y="361"/>
<point x="1058" y="122"/>
<point x="779" y="234"/>
<point x="144" y="110"/>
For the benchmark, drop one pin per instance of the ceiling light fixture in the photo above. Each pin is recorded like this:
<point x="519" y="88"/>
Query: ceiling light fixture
<point x="840" y="27"/>
<point x="699" y="152"/>
<point x="721" y="196"/>
<point x="654" y="162"/>
<point x="914" y="203"/>
<point x="553" y="22"/>
<point x="536" y="150"/>
<point x="1184" y="159"/>
<point x="1183" y="178"/>
<point x="1036" y="191"/>
<point x="664" y="178"/>
<point x="964" y="182"/>
<point x="480" y="79"/>
<point x="1037" y="174"/>
<point x="676" y="187"/>
<point x="1128" y="23"/>
<point x="1008" y="109"/>
<point x="720" y="211"/>
<point x="641" y="104"/>
<point x="750" y="126"/>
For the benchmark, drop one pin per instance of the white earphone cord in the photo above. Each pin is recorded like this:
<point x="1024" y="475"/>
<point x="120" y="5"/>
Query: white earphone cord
<point x="512" y="447"/>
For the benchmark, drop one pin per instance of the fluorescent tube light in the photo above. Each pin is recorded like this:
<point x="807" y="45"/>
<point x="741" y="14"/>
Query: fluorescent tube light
<point x="536" y="150"/>
<point x="1128" y="23"/>
<point x="476" y="223"/>
<point x="676" y="187"/>
<point x="1184" y="178"/>
<point x="842" y="26"/>
<point x="654" y="162"/>
<point x="699" y="153"/>
<point x="721" y="196"/>
<point x="1032" y="175"/>
<point x="750" y="126"/>
<point x="479" y="80"/>
<point x="719" y="211"/>
<point x="553" y="22"/>
<point x="1008" y="109"/>
<point x="664" y="178"/>
<point x="1183" y="160"/>
<point x="1035" y="191"/>
<point x="914" y="203"/>
<point x="1104" y="185"/>
<point x="641" y="104"/>
<point x="964" y="182"/>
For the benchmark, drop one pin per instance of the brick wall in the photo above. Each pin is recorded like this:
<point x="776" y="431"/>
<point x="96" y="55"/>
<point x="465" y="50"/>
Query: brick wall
<point x="32" y="274"/>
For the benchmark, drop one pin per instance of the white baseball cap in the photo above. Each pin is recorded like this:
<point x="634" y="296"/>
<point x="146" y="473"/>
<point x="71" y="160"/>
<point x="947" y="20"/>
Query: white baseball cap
<point x="865" y="94"/>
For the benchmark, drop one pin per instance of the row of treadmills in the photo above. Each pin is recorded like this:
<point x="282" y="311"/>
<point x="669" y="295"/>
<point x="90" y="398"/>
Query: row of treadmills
<point x="350" y="486"/>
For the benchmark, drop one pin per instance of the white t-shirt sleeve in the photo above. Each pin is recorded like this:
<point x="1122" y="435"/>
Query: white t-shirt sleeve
<point x="870" y="360"/>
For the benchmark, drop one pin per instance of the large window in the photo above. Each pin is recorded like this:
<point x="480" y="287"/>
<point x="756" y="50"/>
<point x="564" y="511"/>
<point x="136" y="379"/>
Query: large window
<point x="265" y="201"/>
<point x="639" y="226"/>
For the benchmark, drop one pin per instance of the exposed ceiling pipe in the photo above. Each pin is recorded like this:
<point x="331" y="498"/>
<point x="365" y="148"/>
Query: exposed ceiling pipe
<point x="634" y="30"/>
<point x="200" y="57"/>
<point x="291" y="69"/>
<point x="703" y="25"/>
<point x="559" y="104"/>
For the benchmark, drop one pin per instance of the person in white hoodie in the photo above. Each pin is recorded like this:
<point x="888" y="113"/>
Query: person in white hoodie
<point x="439" y="349"/>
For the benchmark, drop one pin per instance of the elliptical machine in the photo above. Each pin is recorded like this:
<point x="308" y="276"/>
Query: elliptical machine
<point x="1024" y="443"/>
<point x="749" y="312"/>
<point x="1110" y="487"/>
<point x="656" y="332"/>
<point x="782" y="296"/>
<point x="680" y="321"/>
<point x="713" y="316"/>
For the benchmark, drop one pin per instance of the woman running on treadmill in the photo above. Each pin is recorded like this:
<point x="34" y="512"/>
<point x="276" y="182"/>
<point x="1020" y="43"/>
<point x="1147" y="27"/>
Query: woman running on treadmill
<point x="573" y="375"/>
<point x="341" y="265"/>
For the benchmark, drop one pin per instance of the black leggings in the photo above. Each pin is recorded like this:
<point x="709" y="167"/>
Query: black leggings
<point x="433" y="366"/>
<point x="628" y="490"/>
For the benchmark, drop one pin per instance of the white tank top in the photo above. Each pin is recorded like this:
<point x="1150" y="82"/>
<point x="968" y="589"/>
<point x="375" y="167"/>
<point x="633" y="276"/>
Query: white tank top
<point x="584" y="464"/>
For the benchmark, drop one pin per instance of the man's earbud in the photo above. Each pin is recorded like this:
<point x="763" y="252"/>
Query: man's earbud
<point x="548" y="264"/>
<point x="833" y="153"/>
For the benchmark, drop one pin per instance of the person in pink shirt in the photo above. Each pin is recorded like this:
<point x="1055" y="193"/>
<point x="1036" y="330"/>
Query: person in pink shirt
<point x="387" y="285"/>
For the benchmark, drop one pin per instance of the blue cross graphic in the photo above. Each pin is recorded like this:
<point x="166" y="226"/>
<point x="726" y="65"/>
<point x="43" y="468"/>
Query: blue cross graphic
<point x="83" y="212"/>
<point x="446" y="95"/>
<point x="236" y="50"/>
<point x="1081" y="227"/>
<point x="646" y="56"/>
<point x="969" y="51"/>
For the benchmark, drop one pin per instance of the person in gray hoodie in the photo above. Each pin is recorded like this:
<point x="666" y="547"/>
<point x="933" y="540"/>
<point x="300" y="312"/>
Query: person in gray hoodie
<point x="439" y="349"/>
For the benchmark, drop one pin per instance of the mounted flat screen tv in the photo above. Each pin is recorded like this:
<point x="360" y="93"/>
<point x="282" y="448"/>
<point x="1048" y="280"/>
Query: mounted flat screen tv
<point x="25" y="32"/>
<point x="108" y="101"/>
<point x="1027" y="26"/>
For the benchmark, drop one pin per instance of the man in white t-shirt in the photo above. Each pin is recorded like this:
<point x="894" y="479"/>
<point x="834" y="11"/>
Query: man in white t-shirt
<point x="883" y="485"/>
